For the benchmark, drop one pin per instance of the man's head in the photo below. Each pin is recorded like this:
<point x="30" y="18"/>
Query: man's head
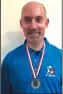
<point x="34" y="21"/>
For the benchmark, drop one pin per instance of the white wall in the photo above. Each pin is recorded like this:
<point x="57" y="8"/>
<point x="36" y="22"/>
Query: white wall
<point x="11" y="33"/>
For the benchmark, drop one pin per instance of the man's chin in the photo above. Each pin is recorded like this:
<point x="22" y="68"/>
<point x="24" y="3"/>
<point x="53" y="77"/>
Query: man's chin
<point x="34" y="40"/>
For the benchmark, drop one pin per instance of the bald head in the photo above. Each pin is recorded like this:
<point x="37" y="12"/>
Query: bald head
<point x="29" y="7"/>
<point x="34" y="22"/>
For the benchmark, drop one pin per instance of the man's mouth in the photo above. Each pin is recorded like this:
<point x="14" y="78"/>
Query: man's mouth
<point x="34" y="32"/>
<point x="34" y="35"/>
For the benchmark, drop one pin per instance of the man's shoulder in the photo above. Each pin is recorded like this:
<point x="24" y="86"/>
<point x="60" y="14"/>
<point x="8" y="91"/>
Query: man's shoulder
<point x="52" y="48"/>
<point x="56" y="49"/>
<point x="15" y="53"/>
<point x="17" y="50"/>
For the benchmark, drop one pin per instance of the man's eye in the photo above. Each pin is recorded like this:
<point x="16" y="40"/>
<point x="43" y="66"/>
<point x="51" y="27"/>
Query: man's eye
<point x="27" y="20"/>
<point x="38" y="19"/>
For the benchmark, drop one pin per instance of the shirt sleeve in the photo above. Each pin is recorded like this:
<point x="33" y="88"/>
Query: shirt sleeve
<point x="5" y="82"/>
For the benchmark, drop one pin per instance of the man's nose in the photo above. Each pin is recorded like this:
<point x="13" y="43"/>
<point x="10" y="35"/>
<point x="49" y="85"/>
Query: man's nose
<point x="33" y="25"/>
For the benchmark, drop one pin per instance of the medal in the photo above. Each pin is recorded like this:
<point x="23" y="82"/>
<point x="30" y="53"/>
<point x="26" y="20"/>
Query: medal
<point x="35" y="83"/>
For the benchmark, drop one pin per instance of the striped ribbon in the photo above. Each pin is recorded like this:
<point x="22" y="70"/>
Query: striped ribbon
<point x="40" y="61"/>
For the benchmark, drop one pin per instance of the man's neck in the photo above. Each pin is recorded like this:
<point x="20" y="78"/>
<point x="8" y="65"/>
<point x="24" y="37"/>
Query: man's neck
<point x="36" y="46"/>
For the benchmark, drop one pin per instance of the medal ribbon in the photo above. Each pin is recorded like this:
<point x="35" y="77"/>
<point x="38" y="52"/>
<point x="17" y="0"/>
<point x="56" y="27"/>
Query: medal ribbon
<point x="40" y="61"/>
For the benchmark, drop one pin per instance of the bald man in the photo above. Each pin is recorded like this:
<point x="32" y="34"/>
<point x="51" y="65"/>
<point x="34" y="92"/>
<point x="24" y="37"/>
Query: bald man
<point x="34" y="66"/>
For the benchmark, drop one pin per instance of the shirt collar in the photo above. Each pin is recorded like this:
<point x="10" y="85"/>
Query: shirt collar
<point x="45" y="39"/>
<point x="46" y="45"/>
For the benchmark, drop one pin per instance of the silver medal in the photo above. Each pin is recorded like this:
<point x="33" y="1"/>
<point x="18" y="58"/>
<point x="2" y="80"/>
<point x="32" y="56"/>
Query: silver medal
<point x="35" y="84"/>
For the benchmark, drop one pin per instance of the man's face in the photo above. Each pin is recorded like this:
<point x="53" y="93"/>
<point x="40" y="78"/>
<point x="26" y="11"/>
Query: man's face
<point x="34" y="22"/>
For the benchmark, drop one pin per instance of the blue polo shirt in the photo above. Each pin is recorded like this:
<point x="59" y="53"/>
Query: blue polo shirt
<point x="16" y="74"/>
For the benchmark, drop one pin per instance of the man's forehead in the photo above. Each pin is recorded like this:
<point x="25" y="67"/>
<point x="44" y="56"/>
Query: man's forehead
<point x="31" y="6"/>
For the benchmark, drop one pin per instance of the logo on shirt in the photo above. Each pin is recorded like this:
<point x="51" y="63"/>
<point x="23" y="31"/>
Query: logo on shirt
<point x="50" y="71"/>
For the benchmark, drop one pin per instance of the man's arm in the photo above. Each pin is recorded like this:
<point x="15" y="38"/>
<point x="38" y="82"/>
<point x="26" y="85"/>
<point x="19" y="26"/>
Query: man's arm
<point x="5" y="83"/>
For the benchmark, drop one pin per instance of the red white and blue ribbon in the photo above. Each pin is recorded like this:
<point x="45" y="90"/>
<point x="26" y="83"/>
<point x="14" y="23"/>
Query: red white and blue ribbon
<point x="40" y="61"/>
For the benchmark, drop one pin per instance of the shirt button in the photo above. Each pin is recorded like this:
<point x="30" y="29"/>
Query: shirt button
<point x="34" y="60"/>
<point x="35" y="69"/>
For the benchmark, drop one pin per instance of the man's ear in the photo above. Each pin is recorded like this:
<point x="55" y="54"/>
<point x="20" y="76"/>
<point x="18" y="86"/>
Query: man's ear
<point x="21" y="23"/>
<point x="47" y="23"/>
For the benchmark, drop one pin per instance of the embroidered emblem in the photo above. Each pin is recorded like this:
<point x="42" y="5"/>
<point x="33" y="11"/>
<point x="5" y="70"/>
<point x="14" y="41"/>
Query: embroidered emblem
<point x="50" y="71"/>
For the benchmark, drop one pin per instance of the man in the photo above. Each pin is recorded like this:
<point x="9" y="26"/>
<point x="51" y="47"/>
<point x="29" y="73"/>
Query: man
<point x="35" y="66"/>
